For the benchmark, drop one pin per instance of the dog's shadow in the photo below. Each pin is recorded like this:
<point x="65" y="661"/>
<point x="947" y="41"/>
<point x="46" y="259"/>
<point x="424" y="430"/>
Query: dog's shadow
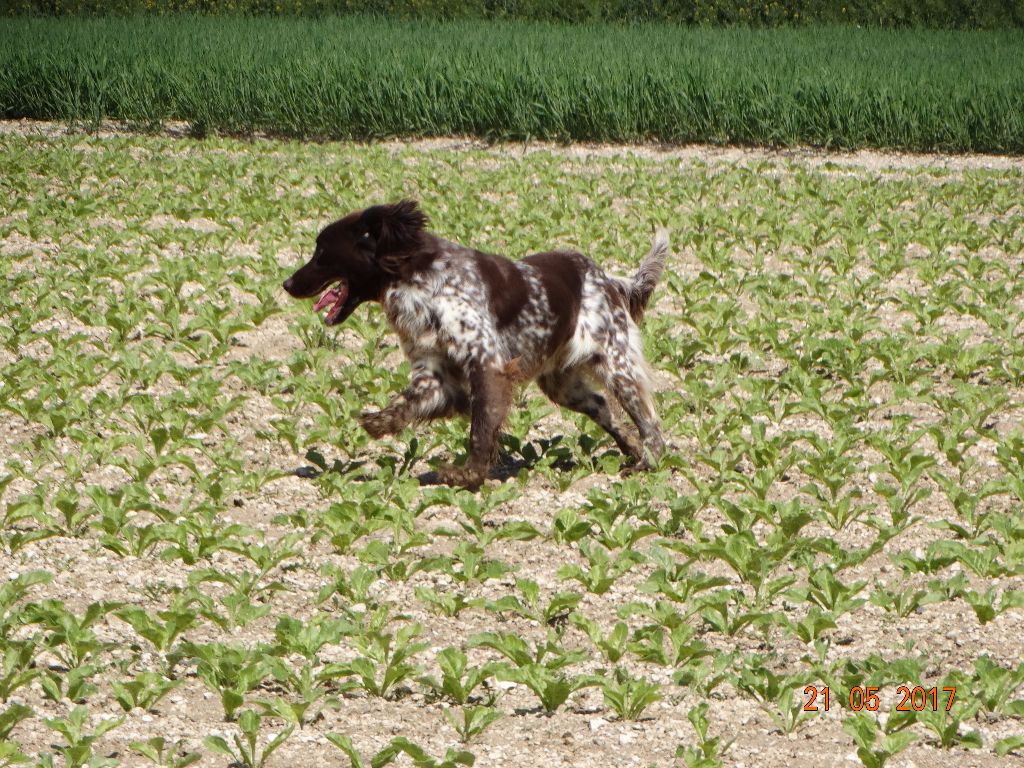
<point x="337" y="467"/>
<point x="507" y="466"/>
<point x="504" y="469"/>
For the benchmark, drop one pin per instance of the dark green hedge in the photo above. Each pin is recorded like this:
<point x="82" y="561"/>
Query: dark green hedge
<point x="945" y="14"/>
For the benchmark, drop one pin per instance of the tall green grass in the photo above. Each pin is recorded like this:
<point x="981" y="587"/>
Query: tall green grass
<point x="357" y="77"/>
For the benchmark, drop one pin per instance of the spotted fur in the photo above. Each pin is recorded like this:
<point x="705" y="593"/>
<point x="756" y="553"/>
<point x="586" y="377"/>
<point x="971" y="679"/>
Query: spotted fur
<point x="474" y="325"/>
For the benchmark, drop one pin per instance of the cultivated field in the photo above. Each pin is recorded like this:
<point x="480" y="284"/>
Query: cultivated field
<point x="366" y="78"/>
<point x="840" y="370"/>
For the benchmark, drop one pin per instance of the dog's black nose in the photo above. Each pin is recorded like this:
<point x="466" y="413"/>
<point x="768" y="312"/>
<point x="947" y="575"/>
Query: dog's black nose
<point x="288" y="285"/>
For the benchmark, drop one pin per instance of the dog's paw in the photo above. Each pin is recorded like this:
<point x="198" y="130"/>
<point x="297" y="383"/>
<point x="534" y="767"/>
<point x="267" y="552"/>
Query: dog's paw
<point x="378" y="423"/>
<point x="636" y="466"/>
<point x="468" y="477"/>
<point x="644" y="460"/>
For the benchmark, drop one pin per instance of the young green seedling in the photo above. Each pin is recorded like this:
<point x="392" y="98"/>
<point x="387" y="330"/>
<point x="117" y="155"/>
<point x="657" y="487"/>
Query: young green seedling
<point x="386" y="662"/>
<point x="246" y="750"/>
<point x="474" y="721"/>
<point x="629" y="696"/>
<point x="458" y="679"/>
<point x="78" y="741"/>
<point x="709" y="750"/>
<point x="165" y="754"/>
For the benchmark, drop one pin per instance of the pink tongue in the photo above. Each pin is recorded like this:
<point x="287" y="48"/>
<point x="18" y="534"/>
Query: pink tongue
<point x="335" y="298"/>
<point x="329" y="297"/>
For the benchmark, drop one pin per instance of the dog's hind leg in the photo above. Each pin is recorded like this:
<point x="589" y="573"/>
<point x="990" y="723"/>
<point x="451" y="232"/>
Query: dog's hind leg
<point x="634" y="396"/>
<point x="624" y="373"/>
<point x="573" y="390"/>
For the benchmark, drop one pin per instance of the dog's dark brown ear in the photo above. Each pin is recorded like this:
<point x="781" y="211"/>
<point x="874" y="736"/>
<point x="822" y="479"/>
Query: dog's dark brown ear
<point x="396" y="229"/>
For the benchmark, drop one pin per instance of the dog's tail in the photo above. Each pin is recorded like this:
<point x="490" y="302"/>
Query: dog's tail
<point x="647" y="276"/>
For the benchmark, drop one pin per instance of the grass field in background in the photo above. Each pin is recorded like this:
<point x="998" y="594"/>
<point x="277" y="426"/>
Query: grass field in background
<point x="361" y="78"/>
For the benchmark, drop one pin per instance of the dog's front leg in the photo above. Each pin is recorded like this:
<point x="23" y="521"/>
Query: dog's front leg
<point x="393" y="418"/>
<point x="430" y="395"/>
<point x="491" y="389"/>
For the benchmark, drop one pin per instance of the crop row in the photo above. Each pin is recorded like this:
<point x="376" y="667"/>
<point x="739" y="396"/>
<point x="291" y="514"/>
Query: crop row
<point x="355" y="77"/>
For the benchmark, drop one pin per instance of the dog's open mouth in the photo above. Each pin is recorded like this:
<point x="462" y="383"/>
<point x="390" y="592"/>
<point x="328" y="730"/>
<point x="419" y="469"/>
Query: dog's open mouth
<point x="335" y="298"/>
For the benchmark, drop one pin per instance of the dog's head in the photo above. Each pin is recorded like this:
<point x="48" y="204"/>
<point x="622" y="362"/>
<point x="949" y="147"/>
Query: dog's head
<point x="357" y="257"/>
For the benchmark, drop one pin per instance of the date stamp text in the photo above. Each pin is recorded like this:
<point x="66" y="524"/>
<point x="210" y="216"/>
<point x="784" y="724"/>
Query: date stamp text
<point x="916" y="699"/>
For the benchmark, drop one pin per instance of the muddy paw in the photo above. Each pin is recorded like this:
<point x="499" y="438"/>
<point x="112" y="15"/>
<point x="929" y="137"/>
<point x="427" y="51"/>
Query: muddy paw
<point x="634" y="467"/>
<point x="470" y="478"/>
<point x="378" y="423"/>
